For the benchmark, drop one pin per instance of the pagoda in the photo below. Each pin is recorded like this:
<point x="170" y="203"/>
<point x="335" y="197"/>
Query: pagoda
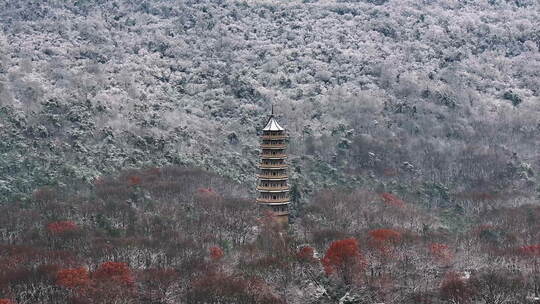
<point x="272" y="182"/>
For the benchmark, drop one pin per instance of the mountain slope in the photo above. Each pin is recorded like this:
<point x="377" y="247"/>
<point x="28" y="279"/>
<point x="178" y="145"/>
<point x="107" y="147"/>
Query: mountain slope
<point x="387" y="93"/>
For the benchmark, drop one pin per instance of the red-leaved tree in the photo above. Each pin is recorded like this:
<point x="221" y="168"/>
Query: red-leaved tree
<point x="110" y="282"/>
<point x="384" y="240"/>
<point x="440" y="252"/>
<point x="134" y="180"/>
<point x="73" y="277"/>
<point x="61" y="227"/>
<point x="344" y="259"/>
<point x="117" y="272"/>
<point x="6" y="301"/>
<point x="530" y="250"/>
<point x="385" y="235"/>
<point x="306" y="254"/>
<point x="216" y="253"/>
<point x="392" y="200"/>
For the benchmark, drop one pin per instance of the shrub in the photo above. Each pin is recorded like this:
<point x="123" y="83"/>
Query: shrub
<point x="513" y="97"/>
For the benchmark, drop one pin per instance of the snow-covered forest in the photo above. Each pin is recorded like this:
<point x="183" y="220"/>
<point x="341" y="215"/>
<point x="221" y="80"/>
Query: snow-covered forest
<point x="448" y="88"/>
<point x="426" y="114"/>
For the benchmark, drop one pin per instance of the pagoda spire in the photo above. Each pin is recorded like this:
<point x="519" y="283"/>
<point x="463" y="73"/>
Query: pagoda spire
<point x="272" y="184"/>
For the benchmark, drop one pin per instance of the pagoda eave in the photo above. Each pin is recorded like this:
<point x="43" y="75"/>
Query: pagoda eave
<point x="273" y="204"/>
<point x="273" y="157"/>
<point x="274" y="137"/>
<point x="279" y="188"/>
<point x="272" y="178"/>
<point x="267" y="167"/>
<point x="273" y="147"/>
<point x="273" y="191"/>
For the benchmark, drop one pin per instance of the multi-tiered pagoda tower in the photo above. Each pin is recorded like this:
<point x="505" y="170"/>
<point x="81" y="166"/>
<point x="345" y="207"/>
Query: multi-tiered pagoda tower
<point x="272" y="179"/>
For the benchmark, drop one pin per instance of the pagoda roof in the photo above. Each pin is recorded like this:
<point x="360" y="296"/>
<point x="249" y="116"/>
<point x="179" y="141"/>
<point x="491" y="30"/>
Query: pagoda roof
<point x="272" y="125"/>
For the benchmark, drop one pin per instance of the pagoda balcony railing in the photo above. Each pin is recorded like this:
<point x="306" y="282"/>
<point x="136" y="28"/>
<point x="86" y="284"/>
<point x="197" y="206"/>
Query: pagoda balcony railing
<point x="273" y="166"/>
<point x="269" y="176"/>
<point x="273" y="146"/>
<point x="273" y="201"/>
<point x="281" y="155"/>
<point x="276" y="137"/>
<point x="281" y="188"/>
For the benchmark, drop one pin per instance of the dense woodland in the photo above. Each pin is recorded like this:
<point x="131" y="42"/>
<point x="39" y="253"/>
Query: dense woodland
<point x="177" y="235"/>
<point x="128" y="151"/>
